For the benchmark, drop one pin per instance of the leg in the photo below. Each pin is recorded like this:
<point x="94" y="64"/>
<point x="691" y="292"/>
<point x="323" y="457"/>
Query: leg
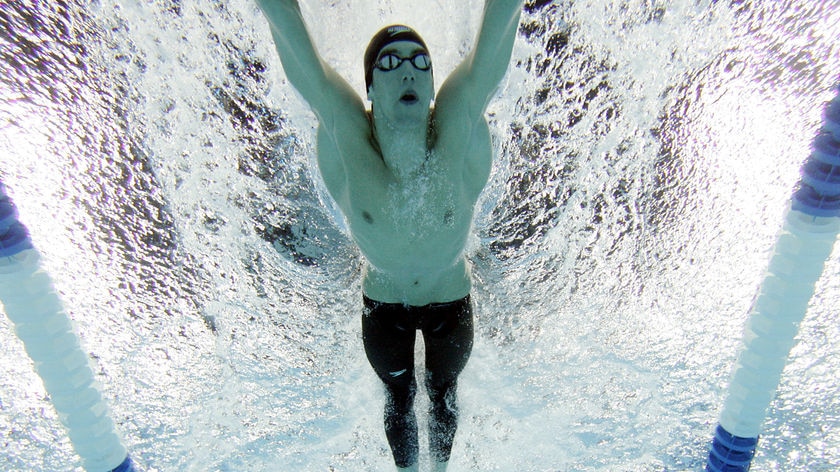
<point x="448" y="334"/>
<point x="389" y="345"/>
<point x="401" y="423"/>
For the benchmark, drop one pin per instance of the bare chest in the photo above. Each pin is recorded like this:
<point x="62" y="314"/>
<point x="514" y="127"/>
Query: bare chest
<point x="430" y="201"/>
<point x="421" y="222"/>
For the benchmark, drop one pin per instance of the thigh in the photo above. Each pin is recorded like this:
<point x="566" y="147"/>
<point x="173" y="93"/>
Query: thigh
<point x="389" y="343"/>
<point x="448" y="336"/>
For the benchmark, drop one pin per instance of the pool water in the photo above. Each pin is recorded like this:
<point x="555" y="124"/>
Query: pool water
<point x="646" y="152"/>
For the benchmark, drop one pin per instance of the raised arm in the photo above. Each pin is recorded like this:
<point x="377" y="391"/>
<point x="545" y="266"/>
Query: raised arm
<point x="476" y="79"/>
<point x="318" y="83"/>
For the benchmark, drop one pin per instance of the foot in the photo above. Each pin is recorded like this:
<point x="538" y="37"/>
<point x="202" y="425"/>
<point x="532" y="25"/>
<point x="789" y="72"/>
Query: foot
<point x="411" y="468"/>
<point x="439" y="466"/>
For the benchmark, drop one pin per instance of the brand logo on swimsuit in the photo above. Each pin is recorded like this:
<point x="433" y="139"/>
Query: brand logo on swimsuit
<point x="397" y="373"/>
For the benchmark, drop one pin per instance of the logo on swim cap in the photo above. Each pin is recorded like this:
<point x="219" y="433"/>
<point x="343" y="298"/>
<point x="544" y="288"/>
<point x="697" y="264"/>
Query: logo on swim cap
<point x="396" y="29"/>
<point x="386" y="36"/>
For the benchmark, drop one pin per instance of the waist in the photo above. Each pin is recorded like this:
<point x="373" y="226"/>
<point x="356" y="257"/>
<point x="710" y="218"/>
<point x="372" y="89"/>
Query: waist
<point x="417" y="288"/>
<point x="434" y="319"/>
<point x="372" y="304"/>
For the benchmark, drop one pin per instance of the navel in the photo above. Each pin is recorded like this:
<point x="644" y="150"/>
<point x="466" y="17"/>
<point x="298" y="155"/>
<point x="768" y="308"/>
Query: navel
<point x="449" y="217"/>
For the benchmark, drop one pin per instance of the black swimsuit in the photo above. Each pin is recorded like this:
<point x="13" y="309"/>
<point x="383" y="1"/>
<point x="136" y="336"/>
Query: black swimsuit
<point x="389" y="330"/>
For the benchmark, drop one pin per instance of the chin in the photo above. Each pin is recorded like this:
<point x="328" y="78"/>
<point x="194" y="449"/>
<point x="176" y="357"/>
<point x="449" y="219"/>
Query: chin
<point x="411" y="115"/>
<point x="403" y="115"/>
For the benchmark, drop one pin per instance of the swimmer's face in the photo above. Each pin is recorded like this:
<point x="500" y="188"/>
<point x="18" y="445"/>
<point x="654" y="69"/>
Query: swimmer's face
<point x="403" y="86"/>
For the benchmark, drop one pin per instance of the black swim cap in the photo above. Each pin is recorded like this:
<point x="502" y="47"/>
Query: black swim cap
<point x="386" y="36"/>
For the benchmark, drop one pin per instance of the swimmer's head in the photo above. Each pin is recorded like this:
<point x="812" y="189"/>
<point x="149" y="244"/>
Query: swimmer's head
<point x="386" y="36"/>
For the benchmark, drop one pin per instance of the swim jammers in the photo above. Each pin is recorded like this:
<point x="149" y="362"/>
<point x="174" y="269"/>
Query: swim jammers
<point x="388" y="331"/>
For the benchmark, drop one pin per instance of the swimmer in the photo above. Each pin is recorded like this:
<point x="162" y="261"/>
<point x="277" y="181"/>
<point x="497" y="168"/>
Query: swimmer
<point x="407" y="176"/>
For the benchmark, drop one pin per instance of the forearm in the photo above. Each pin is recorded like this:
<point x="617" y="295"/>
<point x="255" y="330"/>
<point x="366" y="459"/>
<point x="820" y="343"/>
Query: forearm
<point x="485" y="66"/>
<point x="284" y="15"/>
<point x="494" y="44"/>
<point x="301" y="62"/>
<point x="281" y="12"/>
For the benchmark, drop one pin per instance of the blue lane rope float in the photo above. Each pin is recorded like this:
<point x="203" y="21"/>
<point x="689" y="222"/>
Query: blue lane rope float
<point x="39" y="319"/>
<point x="802" y="247"/>
<point x="14" y="237"/>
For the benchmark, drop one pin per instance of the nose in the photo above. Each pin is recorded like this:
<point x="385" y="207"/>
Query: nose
<point x="407" y="72"/>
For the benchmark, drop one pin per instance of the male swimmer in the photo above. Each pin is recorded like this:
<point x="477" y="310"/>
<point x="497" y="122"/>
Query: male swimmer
<point x="407" y="176"/>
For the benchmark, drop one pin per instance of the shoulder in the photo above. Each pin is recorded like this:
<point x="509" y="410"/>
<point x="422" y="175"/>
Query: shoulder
<point x="457" y="103"/>
<point x="336" y="103"/>
<point x="465" y="145"/>
<point x="344" y="152"/>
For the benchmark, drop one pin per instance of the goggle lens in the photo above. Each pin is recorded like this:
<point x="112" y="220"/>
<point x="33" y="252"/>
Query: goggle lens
<point x="390" y="61"/>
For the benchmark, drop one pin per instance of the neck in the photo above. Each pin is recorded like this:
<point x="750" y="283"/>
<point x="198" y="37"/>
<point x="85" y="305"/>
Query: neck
<point x="404" y="149"/>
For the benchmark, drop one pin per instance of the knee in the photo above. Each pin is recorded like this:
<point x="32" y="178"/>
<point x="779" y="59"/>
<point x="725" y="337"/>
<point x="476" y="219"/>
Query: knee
<point x="442" y="391"/>
<point x="400" y="395"/>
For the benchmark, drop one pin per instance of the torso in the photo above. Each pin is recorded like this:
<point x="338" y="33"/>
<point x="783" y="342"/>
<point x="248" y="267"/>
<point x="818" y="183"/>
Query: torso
<point x="412" y="233"/>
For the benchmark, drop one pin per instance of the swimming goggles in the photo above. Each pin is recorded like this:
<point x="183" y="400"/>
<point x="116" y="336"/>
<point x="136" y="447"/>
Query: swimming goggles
<point x="390" y="61"/>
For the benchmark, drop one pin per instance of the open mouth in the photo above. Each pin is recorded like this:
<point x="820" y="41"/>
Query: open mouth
<point x="409" y="98"/>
